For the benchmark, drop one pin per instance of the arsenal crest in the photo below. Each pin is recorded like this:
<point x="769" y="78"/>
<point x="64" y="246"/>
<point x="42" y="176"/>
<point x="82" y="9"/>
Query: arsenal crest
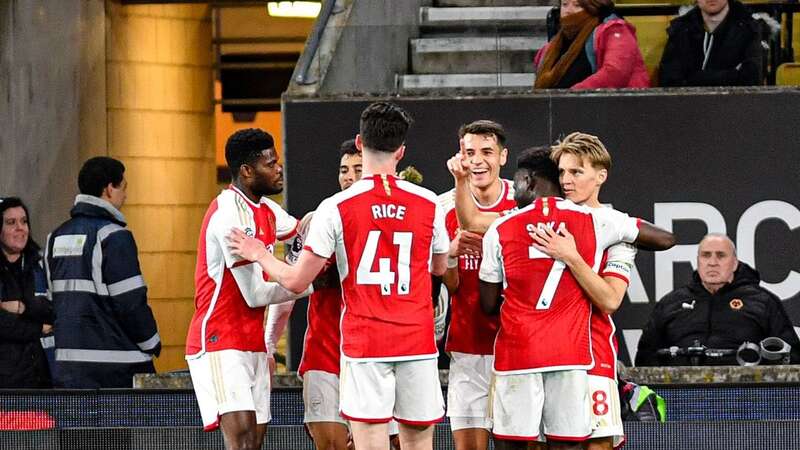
<point x="736" y="304"/>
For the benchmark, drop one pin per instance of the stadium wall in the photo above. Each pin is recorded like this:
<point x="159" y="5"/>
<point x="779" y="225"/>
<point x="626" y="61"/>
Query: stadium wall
<point x="693" y="161"/>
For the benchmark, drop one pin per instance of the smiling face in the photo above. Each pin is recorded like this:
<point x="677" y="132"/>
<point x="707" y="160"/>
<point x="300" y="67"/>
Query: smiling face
<point x="484" y="158"/>
<point x="14" y="233"/>
<point x="579" y="180"/>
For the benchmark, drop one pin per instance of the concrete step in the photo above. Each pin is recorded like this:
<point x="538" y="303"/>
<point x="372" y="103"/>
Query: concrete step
<point x="530" y="19"/>
<point x="474" y="54"/>
<point x="466" y="81"/>
<point x="493" y="3"/>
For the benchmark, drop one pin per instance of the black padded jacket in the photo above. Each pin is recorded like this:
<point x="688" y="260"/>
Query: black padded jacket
<point x="741" y="311"/>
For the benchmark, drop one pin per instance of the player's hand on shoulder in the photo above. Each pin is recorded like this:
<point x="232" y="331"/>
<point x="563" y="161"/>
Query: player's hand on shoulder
<point x="249" y="248"/>
<point x="466" y="243"/>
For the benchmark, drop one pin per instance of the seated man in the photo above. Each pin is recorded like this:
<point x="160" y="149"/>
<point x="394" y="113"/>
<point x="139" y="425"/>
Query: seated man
<point x="722" y="307"/>
<point x="716" y="44"/>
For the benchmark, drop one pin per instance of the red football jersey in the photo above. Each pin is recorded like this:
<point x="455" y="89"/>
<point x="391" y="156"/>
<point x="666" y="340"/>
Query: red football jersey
<point x="471" y="331"/>
<point x="383" y="231"/>
<point x="545" y="318"/>
<point x="617" y="262"/>
<point x="322" y="339"/>
<point x="222" y="319"/>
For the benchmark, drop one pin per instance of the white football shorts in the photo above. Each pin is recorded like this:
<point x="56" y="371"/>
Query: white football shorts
<point x="321" y="397"/>
<point x="606" y="409"/>
<point x="555" y="401"/>
<point x="230" y="380"/>
<point x="468" y="388"/>
<point x="408" y="391"/>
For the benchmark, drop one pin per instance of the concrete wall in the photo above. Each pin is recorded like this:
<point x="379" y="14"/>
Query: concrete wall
<point x="161" y="125"/>
<point x="363" y="46"/>
<point x="80" y="78"/>
<point x="52" y="101"/>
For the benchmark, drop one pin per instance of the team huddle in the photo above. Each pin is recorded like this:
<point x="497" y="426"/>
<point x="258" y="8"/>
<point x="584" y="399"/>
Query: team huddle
<point x="534" y="268"/>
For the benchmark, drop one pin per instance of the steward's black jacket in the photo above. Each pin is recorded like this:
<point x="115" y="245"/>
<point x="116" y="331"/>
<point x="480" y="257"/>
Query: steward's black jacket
<point x="104" y="331"/>
<point x="741" y="311"/>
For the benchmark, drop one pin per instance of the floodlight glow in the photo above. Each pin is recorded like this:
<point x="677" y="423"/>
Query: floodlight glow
<point x="294" y="9"/>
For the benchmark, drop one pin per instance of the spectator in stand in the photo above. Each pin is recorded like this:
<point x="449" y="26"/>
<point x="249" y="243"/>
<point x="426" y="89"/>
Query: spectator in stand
<point x="718" y="43"/>
<point x="25" y="312"/>
<point x="594" y="48"/>
<point x="722" y="307"/>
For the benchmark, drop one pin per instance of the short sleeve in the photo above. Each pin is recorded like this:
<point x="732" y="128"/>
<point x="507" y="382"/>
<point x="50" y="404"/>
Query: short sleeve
<point x="441" y="241"/>
<point x="619" y="262"/>
<point x="322" y="232"/>
<point x="285" y="223"/>
<point x="615" y="226"/>
<point x="491" y="269"/>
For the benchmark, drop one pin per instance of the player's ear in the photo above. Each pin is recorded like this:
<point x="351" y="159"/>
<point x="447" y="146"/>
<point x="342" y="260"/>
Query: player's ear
<point x="602" y="176"/>
<point x="503" y="156"/>
<point x="245" y="171"/>
<point x="400" y="152"/>
<point x="359" y="143"/>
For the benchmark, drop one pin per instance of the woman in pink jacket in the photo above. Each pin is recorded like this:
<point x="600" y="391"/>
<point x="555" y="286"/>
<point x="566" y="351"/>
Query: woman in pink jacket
<point x="594" y="48"/>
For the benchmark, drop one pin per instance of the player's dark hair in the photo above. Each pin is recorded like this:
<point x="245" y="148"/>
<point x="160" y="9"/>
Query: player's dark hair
<point x="97" y="173"/>
<point x="538" y="161"/>
<point x="485" y="128"/>
<point x="245" y="147"/>
<point x="384" y="126"/>
<point x="348" y="147"/>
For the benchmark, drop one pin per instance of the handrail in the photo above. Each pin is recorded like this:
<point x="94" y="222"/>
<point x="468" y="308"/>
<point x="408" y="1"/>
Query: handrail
<point x="304" y="63"/>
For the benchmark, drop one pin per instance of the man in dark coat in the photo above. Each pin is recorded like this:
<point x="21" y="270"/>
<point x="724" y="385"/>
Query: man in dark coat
<point x="104" y="332"/>
<point x="718" y="43"/>
<point x="722" y="307"/>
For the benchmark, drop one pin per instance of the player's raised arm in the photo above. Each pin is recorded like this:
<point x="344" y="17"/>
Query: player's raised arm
<point x="440" y="245"/>
<point x="470" y="218"/>
<point x="491" y="273"/>
<point x="295" y="278"/>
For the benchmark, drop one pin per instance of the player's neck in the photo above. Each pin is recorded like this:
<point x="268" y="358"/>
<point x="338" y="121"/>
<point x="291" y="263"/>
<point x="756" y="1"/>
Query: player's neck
<point x="593" y="201"/>
<point x="487" y="196"/>
<point x="379" y="168"/>
<point x="246" y="191"/>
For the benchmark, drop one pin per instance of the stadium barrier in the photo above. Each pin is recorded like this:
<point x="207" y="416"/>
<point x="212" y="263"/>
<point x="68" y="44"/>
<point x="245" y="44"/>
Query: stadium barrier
<point x="702" y="416"/>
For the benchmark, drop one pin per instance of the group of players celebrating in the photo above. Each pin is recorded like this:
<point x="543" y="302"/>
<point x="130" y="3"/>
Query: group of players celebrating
<point x="534" y="269"/>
